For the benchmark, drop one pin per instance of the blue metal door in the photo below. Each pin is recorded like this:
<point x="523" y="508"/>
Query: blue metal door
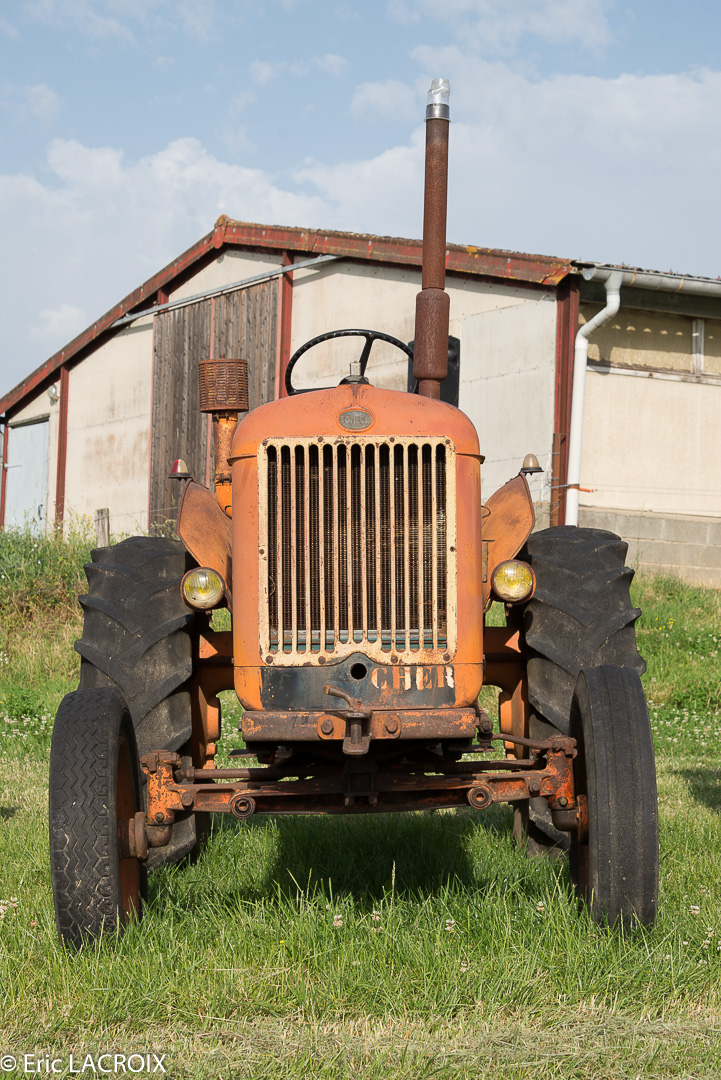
<point x="26" y="494"/>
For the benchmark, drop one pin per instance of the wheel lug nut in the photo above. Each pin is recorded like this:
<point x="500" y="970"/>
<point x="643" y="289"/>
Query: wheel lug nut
<point x="159" y="817"/>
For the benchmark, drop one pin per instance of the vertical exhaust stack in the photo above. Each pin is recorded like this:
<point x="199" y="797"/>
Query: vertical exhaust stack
<point x="430" y="359"/>
<point x="223" y="387"/>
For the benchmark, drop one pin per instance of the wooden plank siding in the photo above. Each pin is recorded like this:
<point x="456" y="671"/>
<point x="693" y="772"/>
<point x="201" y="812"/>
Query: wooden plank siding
<point x="245" y="327"/>
<point x="240" y="324"/>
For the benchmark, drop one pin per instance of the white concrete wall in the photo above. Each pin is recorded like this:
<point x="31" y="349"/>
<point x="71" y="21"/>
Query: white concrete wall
<point x="650" y="444"/>
<point x="508" y="364"/>
<point x="230" y="266"/>
<point x="109" y="415"/>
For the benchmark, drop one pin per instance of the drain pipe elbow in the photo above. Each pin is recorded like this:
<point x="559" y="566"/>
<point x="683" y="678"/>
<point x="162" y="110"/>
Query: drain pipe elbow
<point x="578" y="395"/>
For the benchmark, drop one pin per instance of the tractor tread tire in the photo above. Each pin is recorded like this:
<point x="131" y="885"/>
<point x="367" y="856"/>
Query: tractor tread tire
<point x="580" y="616"/>
<point x="82" y="815"/>
<point x="619" y="877"/>
<point x="136" y="636"/>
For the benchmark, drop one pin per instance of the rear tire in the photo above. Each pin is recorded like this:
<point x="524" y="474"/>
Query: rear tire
<point x="580" y="616"/>
<point x="614" y="868"/>
<point x="94" y="783"/>
<point x="137" y="637"/>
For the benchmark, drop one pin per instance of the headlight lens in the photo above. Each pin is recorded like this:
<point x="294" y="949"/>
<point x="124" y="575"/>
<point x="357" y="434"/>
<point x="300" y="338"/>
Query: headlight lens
<point x="513" y="581"/>
<point x="202" y="588"/>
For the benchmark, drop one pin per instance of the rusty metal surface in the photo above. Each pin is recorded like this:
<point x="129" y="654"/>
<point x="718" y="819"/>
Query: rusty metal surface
<point x="223" y="384"/>
<point x="508" y="520"/>
<point x="396" y="418"/>
<point x="430" y="352"/>
<point x="489" y="262"/>
<point x="430" y="349"/>
<point x="223" y="431"/>
<point x="435" y="201"/>
<point x="506" y="668"/>
<point x="206" y="532"/>
<point x="365" y="785"/>
<point x="328" y="725"/>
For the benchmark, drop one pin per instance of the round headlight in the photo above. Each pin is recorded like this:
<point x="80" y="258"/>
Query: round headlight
<point x="202" y="588"/>
<point x="513" y="581"/>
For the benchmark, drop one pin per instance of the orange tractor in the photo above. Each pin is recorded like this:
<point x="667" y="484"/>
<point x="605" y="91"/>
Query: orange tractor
<point x="347" y="537"/>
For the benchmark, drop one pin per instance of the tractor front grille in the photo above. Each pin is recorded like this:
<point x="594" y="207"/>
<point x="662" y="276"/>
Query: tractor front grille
<point x="357" y="548"/>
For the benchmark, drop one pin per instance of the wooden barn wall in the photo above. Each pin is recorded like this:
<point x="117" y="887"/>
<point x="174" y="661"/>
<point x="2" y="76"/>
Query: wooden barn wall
<point x="241" y="324"/>
<point x="245" y="327"/>
<point x="180" y="430"/>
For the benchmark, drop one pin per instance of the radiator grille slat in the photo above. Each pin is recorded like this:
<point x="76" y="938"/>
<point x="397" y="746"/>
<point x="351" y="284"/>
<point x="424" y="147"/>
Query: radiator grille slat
<point x="360" y="542"/>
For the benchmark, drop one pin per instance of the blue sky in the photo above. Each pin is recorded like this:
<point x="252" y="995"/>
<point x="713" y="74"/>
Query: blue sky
<point x="584" y="128"/>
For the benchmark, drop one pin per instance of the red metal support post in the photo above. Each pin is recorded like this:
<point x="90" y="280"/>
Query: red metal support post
<point x="566" y="328"/>
<point x="285" y="319"/>
<point x="62" y="446"/>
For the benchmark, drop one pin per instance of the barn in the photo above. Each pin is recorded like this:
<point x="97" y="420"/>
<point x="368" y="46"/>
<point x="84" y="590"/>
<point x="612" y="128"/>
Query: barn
<point x="100" y="422"/>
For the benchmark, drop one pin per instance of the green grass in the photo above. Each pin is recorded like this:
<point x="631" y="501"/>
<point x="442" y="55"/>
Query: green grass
<point x="418" y="945"/>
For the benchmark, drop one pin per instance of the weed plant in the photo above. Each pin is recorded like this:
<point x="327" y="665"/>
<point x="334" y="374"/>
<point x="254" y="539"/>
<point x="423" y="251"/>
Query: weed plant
<point x="40" y="578"/>
<point x="413" y="945"/>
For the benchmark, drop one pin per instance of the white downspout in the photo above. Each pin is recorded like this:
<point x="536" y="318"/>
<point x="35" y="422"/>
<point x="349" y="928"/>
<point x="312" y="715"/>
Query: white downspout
<point x="580" y="356"/>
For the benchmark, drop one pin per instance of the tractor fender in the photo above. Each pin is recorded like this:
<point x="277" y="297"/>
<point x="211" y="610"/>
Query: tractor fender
<point x="507" y="522"/>
<point x="206" y="532"/>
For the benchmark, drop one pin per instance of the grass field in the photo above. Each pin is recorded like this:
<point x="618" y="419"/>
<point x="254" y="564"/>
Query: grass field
<point x="421" y="945"/>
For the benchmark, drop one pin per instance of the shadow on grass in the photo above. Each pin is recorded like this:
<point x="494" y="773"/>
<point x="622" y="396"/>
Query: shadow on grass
<point x="415" y="855"/>
<point x="705" y="785"/>
<point x="7" y="812"/>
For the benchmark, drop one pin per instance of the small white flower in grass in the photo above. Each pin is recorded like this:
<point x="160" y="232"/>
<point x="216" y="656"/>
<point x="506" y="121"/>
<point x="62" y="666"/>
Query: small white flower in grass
<point x="695" y="909"/>
<point x="337" y="921"/>
<point x="540" y="906"/>
<point x="464" y="968"/>
<point x="451" y="926"/>
<point x="376" y="916"/>
<point x="684" y="943"/>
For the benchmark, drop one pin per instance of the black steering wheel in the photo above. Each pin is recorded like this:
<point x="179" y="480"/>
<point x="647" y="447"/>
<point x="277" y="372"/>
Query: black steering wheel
<point x="369" y="335"/>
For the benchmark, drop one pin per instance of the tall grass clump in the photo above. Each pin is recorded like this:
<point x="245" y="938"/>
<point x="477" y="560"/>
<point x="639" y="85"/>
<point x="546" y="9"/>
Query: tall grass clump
<point x="41" y="576"/>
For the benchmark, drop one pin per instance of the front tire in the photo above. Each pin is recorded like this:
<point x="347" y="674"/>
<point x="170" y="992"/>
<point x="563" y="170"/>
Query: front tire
<point x="94" y="785"/>
<point x="580" y="616"/>
<point x="614" y="866"/>
<point x="138" y="638"/>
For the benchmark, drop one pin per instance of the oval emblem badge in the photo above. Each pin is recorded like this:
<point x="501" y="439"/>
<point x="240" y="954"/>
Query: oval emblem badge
<point x="355" y="419"/>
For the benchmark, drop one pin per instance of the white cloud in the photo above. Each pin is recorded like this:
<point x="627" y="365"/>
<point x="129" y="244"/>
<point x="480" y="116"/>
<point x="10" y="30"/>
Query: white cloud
<point x="263" y="71"/>
<point x="38" y="102"/>
<point x="331" y="63"/>
<point x="128" y="19"/>
<point x="389" y="100"/>
<point x="498" y="26"/>
<point x="105" y="224"/>
<point x="615" y="169"/>
<point x="618" y="170"/>
<point x="93" y="18"/>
